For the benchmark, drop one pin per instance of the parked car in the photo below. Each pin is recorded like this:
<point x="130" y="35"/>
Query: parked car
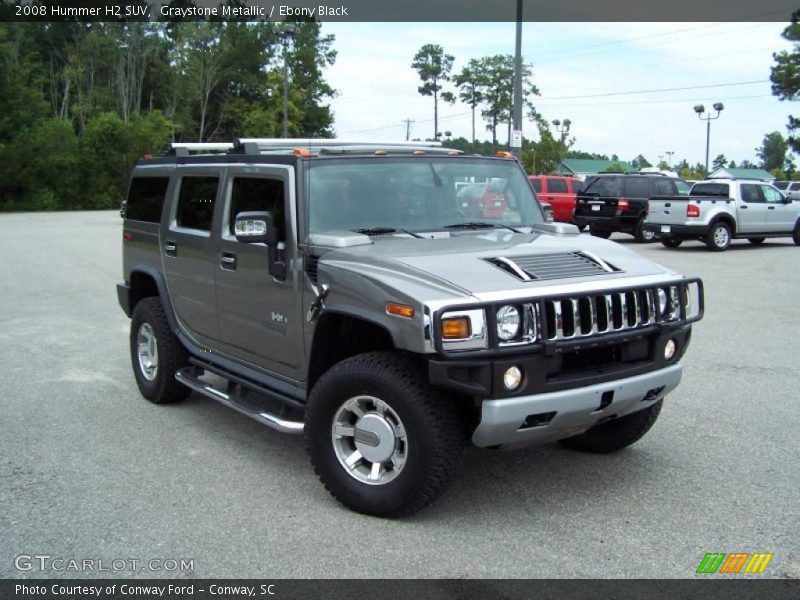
<point x="558" y="191"/>
<point x="618" y="202"/>
<point x="792" y="190"/>
<point x="483" y="200"/>
<point x="719" y="210"/>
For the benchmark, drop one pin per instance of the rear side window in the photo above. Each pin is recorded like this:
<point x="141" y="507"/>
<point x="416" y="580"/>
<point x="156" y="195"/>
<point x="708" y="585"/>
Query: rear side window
<point x="196" y="202"/>
<point x="557" y="186"/>
<point x="537" y="184"/>
<point x="750" y="193"/>
<point x="663" y="187"/>
<point x="258" y="194"/>
<point x="718" y="190"/>
<point x="146" y="198"/>
<point x="793" y="187"/>
<point x="604" y="186"/>
<point x="637" y="187"/>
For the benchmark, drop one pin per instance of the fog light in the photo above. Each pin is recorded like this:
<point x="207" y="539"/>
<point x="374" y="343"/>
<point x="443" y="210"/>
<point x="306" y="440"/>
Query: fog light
<point x="512" y="378"/>
<point x="669" y="349"/>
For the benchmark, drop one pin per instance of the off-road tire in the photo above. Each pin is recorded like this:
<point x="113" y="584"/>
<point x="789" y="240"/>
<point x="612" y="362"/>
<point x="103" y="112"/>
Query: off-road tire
<point x="796" y="234"/>
<point x="643" y="236"/>
<point x="670" y="242"/>
<point x="615" y="435"/>
<point x="715" y="239"/>
<point x="601" y="233"/>
<point x="432" y="423"/>
<point x="756" y="241"/>
<point x="163" y="388"/>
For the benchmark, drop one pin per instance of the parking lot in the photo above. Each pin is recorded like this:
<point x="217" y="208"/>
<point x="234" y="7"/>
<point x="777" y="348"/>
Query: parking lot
<point x="90" y="470"/>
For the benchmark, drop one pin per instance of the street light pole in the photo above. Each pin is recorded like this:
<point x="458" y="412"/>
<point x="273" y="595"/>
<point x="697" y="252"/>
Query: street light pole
<point x="563" y="130"/>
<point x="700" y="109"/>
<point x="517" y="117"/>
<point x="287" y="33"/>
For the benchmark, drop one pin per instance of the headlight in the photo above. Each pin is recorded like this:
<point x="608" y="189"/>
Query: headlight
<point x="508" y="322"/>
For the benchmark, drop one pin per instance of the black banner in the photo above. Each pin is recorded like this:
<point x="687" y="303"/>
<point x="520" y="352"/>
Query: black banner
<point x="362" y="589"/>
<point x="400" y="10"/>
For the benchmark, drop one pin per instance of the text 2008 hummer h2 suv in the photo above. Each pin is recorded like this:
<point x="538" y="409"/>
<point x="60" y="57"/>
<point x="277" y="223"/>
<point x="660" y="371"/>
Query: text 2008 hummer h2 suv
<point x="339" y="290"/>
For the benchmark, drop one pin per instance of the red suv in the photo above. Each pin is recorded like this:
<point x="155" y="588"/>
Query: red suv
<point x="560" y="192"/>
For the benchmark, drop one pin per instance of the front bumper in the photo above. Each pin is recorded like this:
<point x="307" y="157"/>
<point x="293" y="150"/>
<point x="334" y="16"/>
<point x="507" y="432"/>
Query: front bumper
<point x="556" y="415"/>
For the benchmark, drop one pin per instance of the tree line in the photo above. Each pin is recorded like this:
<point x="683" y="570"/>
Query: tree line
<point x="82" y="102"/>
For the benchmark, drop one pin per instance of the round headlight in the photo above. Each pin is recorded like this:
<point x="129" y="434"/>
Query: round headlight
<point x="508" y="322"/>
<point x="669" y="349"/>
<point x="662" y="302"/>
<point x="512" y="378"/>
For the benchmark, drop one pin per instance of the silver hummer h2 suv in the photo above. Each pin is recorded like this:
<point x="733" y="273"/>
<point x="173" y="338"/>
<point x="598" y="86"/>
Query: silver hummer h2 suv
<point x="348" y="292"/>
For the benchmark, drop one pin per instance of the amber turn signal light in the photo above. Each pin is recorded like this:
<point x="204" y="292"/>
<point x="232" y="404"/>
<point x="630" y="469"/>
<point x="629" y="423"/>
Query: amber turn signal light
<point x="456" y="328"/>
<point x="400" y="310"/>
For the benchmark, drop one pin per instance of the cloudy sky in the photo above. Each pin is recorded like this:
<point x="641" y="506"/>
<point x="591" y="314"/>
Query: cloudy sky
<point x="584" y="72"/>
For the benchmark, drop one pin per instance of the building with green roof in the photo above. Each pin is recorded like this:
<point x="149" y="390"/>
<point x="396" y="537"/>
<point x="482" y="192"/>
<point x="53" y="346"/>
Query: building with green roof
<point x="582" y="167"/>
<point x="725" y="172"/>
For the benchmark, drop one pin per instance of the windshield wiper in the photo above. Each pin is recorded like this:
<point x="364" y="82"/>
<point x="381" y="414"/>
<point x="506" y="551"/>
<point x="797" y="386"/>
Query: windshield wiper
<point x="385" y="230"/>
<point x="479" y="225"/>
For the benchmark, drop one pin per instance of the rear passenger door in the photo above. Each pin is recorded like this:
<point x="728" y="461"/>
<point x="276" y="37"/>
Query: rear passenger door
<point x="187" y="250"/>
<point x="559" y="197"/>
<point x="260" y="318"/>
<point x="780" y="215"/>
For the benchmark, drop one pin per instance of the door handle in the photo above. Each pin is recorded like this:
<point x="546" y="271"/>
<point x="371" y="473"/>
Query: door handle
<point x="743" y="207"/>
<point x="170" y="248"/>
<point x="770" y="208"/>
<point x="228" y="261"/>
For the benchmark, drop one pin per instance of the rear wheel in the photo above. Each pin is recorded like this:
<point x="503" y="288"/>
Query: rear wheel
<point x="617" y="434"/>
<point x="670" y="242"/>
<point x="796" y="234"/>
<point x="642" y="235"/>
<point x="601" y="233"/>
<point x="380" y="439"/>
<point x="718" y="237"/>
<point x="756" y="240"/>
<point x="156" y="354"/>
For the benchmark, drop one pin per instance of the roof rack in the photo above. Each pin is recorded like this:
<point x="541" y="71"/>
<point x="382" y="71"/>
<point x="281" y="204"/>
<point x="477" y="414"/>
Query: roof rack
<point x="328" y="146"/>
<point x="190" y="148"/>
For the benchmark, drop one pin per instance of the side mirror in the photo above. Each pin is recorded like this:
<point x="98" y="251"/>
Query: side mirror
<point x="258" y="227"/>
<point x="255" y="227"/>
<point x="548" y="212"/>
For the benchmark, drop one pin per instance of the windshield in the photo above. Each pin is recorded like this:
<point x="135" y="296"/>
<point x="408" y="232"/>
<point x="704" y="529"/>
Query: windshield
<point x="418" y="194"/>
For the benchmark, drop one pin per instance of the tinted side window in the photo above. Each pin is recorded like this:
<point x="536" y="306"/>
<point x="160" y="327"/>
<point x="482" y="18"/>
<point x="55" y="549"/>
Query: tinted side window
<point x="196" y="202"/>
<point x="250" y="193"/>
<point x="663" y="187"/>
<point x="557" y="185"/>
<point x="637" y="187"/>
<point x="750" y="193"/>
<point x="146" y="198"/>
<point x="794" y="187"/>
<point x="537" y="184"/>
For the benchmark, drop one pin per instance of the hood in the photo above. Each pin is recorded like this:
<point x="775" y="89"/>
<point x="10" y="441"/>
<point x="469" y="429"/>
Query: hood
<point x="497" y="260"/>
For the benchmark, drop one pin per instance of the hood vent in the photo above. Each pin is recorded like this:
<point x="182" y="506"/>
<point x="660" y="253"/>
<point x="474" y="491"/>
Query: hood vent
<point x="541" y="267"/>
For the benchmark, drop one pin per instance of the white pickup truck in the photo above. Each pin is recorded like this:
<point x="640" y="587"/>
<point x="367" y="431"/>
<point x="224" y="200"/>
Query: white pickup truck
<point x="719" y="210"/>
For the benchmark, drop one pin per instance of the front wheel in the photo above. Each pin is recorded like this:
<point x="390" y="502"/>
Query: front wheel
<point x="719" y="237"/>
<point x="156" y="354"/>
<point x="617" y="434"/>
<point x="796" y="234"/>
<point x="380" y="439"/>
<point x="670" y="242"/>
<point x="601" y="233"/>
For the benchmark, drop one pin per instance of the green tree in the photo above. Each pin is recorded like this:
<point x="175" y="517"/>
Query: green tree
<point x="785" y="76"/>
<point x="433" y="67"/>
<point x="470" y="83"/>
<point x="616" y="167"/>
<point x="720" y="162"/>
<point x="772" y="152"/>
<point x="640" y="162"/>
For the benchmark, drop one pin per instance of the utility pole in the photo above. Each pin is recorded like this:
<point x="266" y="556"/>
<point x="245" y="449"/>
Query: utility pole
<point x="517" y="137"/>
<point x="669" y="154"/>
<point x="408" y="123"/>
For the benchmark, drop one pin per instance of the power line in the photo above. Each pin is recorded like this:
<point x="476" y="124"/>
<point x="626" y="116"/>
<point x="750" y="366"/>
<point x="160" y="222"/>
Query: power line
<point x="657" y="90"/>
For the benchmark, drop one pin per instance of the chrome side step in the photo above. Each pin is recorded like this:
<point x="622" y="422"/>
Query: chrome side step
<point x="188" y="378"/>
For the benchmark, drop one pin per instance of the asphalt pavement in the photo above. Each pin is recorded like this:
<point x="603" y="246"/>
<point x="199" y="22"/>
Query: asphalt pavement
<point x="91" y="471"/>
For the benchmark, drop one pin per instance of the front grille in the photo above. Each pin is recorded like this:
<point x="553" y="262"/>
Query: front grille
<point x="582" y="316"/>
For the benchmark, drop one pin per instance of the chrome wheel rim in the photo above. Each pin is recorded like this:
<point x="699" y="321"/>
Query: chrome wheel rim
<point x="369" y="440"/>
<point x="147" y="350"/>
<point x="720" y="236"/>
<point x="648" y="236"/>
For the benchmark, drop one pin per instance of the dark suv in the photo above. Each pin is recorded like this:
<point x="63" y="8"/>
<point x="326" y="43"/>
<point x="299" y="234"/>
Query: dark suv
<point x="618" y="202"/>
